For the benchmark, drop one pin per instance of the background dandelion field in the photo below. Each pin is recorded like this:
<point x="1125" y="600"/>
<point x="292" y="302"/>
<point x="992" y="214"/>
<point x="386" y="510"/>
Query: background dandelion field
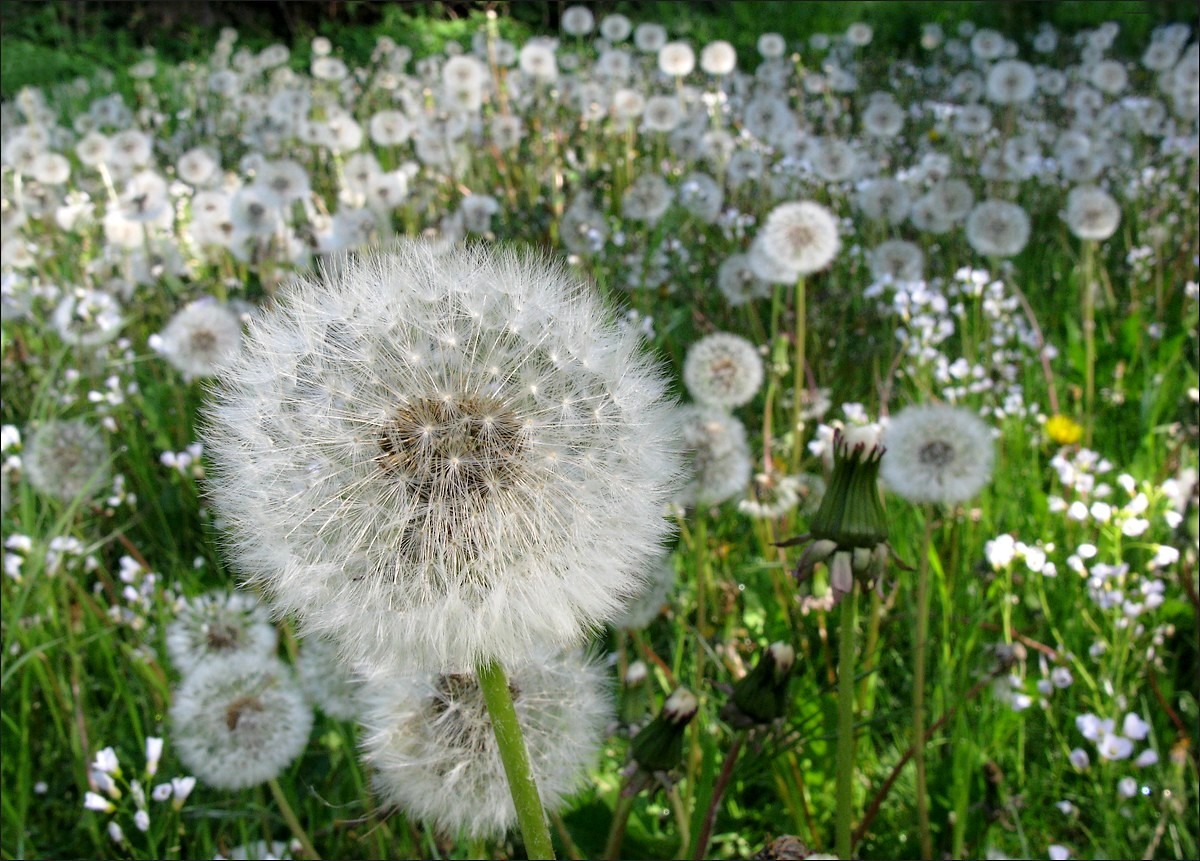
<point x="1061" y="698"/>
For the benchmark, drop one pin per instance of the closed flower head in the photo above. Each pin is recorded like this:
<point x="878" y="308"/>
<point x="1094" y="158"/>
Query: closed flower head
<point x="443" y="460"/>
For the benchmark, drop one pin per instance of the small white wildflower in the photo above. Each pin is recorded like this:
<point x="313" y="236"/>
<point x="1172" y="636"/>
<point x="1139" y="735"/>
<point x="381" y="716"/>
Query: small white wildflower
<point x="1134" y="527"/>
<point x="97" y="802"/>
<point x="1114" y="747"/>
<point x="181" y="787"/>
<point x="154" y="748"/>
<point x="107" y="762"/>
<point x="1000" y="551"/>
<point x="1134" y="727"/>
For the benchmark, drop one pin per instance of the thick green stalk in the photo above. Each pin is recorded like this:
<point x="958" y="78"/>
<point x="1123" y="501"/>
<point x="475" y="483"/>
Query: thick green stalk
<point x="1089" y="338"/>
<point x="799" y="384"/>
<point x="511" y="743"/>
<point x="845" y="727"/>
<point x="616" y="834"/>
<point x="921" y="647"/>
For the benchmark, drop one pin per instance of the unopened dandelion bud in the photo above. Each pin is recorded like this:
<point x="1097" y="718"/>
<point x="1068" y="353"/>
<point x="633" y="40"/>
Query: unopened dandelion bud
<point x="851" y="512"/>
<point x="761" y="695"/>
<point x="787" y="848"/>
<point x="636" y="673"/>
<point x="635" y="699"/>
<point x="659" y="745"/>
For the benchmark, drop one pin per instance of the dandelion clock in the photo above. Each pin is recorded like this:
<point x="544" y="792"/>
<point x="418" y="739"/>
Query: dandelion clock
<point x="443" y="462"/>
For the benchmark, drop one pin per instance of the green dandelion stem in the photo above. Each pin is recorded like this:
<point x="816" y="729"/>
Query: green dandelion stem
<point x="1089" y="339"/>
<point x="289" y="816"/>
<point x="616" y="835"/>
<point x="845" y="727"/>
<point x="920" y="658"/>
<point x="798" y="384"/>
<point x="511" y="743"/>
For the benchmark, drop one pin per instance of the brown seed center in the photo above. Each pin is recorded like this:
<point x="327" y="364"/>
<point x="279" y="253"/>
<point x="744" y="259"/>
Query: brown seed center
<point x="447" y="448"/>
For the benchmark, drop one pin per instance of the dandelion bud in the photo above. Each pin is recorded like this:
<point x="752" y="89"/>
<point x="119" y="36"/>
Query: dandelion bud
<point x="636" y="674"/>
<point x="761" y="696"/>
<point x="635" y="699"/>
<point x="851" y="512"/>
<point x="787" y="848"/>
<point x="659" y="744"/>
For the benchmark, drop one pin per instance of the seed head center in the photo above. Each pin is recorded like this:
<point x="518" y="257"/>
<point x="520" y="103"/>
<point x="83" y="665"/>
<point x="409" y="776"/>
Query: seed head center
<point x="936" y="453"/>
<point x="446" y="448"/>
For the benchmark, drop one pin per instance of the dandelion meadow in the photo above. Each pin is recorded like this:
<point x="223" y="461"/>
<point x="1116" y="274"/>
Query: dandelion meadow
<point x="603" y="432"/>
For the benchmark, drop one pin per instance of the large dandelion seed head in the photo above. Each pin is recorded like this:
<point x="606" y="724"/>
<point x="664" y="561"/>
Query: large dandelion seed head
<point x="239" y="721"/>
<point x="1092" y="213"/>
<point x="937" y="453"/>
<point x="723" y="370"/>
<point x="797" y="239"/>
<point x="998" y="228"/>
<point x="219" y="624"/>
<point x="66" y="459"/>
<point x="431" y="743"/>
<point x="719" y="453"/>
<point x="200" y="337"/>
<point x="442" y="460"/>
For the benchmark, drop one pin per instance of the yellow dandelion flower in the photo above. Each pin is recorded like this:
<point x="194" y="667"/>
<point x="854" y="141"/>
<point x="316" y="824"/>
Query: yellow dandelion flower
<point x="1063" y="430"/>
